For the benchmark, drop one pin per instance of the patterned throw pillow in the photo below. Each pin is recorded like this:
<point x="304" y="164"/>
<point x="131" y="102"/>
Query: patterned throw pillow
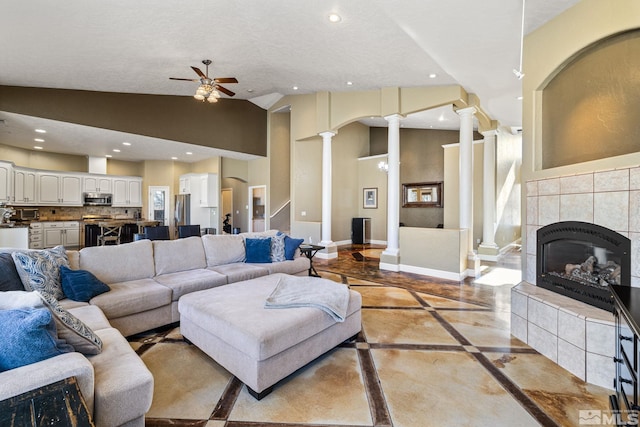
<point x="72" y="329"/>
<point x="40" y="270"/>
<point x="277" y="248"/>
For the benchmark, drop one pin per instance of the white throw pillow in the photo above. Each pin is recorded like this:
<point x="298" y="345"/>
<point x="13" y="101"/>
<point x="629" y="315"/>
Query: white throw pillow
<point x="12" y="300"/>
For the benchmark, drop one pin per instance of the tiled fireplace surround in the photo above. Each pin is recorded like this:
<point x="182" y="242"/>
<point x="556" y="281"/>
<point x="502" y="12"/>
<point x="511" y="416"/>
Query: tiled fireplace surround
<point x="577" y="336"/>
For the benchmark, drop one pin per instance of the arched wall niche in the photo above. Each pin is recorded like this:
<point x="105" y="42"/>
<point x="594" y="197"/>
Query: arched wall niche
<point x="591" y="105"/>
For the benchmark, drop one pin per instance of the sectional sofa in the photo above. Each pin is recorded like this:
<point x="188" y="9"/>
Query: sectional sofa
<point x="146" y="279"/>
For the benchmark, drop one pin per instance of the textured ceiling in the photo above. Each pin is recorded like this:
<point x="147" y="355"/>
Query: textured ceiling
<point x="270" y="47"/>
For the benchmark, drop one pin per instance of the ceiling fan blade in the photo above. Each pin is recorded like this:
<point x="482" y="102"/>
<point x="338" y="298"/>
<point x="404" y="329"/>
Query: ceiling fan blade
<point x="199" y="72"/>
<point x="186" y="80"/>
<point x="224" y="90"/>
<point x="225" y="80"/>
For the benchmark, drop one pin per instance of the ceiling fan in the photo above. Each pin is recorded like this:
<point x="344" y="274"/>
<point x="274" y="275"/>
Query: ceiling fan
<point x="209" y="88"/>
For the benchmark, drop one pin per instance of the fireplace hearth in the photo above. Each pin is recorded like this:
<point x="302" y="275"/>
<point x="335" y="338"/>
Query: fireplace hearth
<point x="580" y="260"/>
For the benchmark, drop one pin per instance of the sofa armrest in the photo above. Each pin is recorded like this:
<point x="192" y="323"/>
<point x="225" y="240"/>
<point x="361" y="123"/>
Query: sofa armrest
<point x="25" y="378"/>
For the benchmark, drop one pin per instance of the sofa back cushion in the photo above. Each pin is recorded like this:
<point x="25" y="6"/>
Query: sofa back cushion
<point x="223" y="249"/>
<point x="119" y="263"/>
<point x="171" y="256"/>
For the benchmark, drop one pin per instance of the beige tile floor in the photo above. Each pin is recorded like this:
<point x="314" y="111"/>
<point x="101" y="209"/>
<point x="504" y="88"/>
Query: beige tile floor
<point x="431" y="353"/>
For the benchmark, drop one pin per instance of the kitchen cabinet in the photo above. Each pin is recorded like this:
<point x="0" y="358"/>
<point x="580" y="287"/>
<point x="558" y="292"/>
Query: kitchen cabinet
<point x="59" y="189"/>
<point x="24" y="186"/>
<point x="209" y="190"/>
<point x="35" y="236"/>
<point x="127" y="192"/>
<point x="65" y="233"/>
<point x="96" y="184"/>
<point x="6" y="182"/>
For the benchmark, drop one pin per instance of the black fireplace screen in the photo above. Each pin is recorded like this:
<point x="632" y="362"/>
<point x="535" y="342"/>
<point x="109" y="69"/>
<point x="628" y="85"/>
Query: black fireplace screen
<point x="581" y="260"/>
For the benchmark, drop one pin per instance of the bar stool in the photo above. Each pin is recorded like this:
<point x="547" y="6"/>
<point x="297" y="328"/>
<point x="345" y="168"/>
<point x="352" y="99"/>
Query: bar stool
<point x="110" y="233"/>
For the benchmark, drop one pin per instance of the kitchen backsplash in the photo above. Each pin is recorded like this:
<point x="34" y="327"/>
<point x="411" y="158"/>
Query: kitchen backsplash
<point x="61" y="213"/>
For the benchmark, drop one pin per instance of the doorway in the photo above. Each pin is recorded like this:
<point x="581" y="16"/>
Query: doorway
<point x="159" y="204"/>
<point x="227" y="210"/>
<point x="258" y="203"/>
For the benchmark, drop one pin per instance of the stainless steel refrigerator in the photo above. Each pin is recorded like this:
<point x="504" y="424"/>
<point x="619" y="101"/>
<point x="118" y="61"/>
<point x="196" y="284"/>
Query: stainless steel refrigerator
<point x="182" y="214"/>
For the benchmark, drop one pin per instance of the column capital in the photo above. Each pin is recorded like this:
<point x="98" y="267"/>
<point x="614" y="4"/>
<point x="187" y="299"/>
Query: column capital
<point x="328" y="134"/>
<point x="467" y="111"/>
<point x="394" y="117"/>
<point x="490" y="133"/>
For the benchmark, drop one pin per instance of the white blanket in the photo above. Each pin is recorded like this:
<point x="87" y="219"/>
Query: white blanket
<point x="293" y="291"/>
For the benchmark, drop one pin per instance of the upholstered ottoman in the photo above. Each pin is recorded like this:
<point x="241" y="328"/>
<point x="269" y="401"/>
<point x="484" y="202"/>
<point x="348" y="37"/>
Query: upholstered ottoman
<point x="259" y="345"/>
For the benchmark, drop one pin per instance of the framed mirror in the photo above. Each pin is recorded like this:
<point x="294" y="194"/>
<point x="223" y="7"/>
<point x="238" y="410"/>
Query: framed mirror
<point x="422" y="195"/>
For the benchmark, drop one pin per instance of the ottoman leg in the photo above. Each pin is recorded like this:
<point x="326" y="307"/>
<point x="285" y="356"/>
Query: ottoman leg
<point x="260" y="395"/>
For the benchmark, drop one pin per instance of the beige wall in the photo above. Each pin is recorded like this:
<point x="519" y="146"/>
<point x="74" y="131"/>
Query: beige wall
<point x="369" y="176"/>
<point x="279" y="189"/>
<point x="546" y="51"/>
<point x="508" y="188"/>
<point x="44" y="160"/>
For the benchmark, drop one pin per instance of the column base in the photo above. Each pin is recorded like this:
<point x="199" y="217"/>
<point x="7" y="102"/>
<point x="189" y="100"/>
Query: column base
<point x="330" y="250"/>
<point x="488" y="251"/>
<point x="473" y="265"/>
<point x="390" y="260"/>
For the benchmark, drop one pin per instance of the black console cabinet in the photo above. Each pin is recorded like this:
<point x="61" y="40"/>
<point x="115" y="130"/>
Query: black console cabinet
<point x="627" y="315"/>
<point x="360" y="230"/>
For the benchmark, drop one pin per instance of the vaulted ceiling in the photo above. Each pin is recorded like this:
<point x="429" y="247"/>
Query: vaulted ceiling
<point x="274" y="48"/>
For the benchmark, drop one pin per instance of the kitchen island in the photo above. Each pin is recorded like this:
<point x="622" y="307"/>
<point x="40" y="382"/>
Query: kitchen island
<point x="14" y="237"/>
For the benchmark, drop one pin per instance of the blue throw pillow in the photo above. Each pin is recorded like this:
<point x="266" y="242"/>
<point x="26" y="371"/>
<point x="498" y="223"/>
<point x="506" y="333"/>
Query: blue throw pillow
<point x="258" y="250"/>
<point x="9" y="278"/>
<point x="290" y="246"/>
<point x="81" y="285"/>
<point x="28" y="336"/>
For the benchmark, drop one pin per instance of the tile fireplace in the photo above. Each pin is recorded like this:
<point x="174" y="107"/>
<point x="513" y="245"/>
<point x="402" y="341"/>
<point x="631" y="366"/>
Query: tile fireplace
<point x="580" y="260"/>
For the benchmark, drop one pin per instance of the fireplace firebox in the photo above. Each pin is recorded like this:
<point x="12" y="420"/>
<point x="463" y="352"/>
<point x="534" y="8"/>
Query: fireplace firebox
<point x="580" y="260"/>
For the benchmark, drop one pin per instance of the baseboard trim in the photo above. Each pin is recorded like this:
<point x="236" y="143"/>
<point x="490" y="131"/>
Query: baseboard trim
<point x="441" y="274"/>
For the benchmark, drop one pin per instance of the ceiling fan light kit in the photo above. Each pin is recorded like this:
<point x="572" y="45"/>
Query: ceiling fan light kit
<point x="209" y="88"/>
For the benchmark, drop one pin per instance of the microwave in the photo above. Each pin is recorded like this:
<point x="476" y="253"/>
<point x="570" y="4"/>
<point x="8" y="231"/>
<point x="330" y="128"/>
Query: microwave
<point x="97" y="199"/>
<point x="26" y="214"/>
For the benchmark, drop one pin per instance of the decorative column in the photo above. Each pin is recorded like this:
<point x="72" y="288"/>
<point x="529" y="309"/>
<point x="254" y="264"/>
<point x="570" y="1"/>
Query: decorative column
<point x="466" y="185"/>
<point x="390" y="257"/>
<point x="488" y="250"/>
<point x="330" y="250"/>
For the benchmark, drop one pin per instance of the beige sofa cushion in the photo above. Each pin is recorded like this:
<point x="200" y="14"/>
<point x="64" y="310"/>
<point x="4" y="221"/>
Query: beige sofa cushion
<point x="297" y="266"/>
<point x="240" y="271"/>
<point x="123" y="384"/>
<point x="185" y="282"/>
<point x="131" y="297"/>
<point x="178" y="255"/>
<point x="223" y="249"/>
<point x="119" y="263"/>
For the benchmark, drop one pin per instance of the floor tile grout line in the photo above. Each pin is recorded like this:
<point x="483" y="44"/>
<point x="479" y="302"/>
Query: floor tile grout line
<point x="525" y="401"/>
<point x="450" y="328"/>
<point x="227" y="401"/>
<point x="377" y="403"/>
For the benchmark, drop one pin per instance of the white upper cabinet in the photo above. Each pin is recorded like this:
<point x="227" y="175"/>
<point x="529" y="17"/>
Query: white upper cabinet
<point x="185" y="184"/>
<point x="127" y="192"/>
<point x="209" y="190"/>
<point x="59" y="189"/>
<point x="97" y="184"/>
<point x="24" y="186"/>
<point x="6" y="182"/>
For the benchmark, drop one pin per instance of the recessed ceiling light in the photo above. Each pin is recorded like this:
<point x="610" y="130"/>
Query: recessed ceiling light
<point x="334" y="17"/>
<point x="174" y="158"/>
<point x="37" y="147"/>
<point x="188" y="153"/>
<point x="115" y="150"/>
<point x="295" y="88"/>
<point x="41" y="131"/>
<point x="519" y="98"/>
<point x="38" y="139"/>
<point x="433" y="75"/>
<point x="250" y="90"/>
<point x="126" y="143"/>
<point x="349" y="83"/>
<point x="108" y="156"/>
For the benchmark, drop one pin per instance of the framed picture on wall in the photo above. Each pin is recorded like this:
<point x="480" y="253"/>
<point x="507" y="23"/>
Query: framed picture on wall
<point x="370" y="198"/>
